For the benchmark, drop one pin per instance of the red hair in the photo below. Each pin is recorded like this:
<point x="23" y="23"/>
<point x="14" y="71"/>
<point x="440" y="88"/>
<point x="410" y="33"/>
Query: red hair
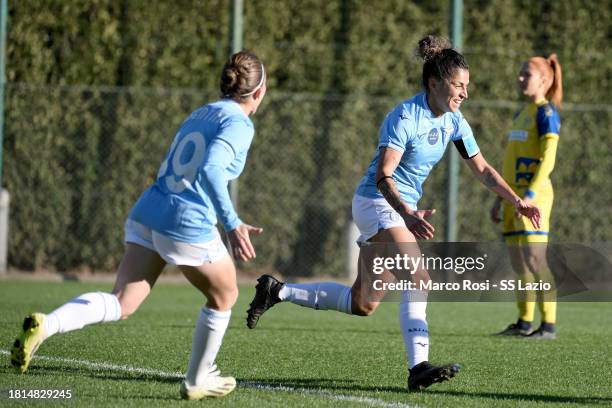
<point x="550" y="69"/>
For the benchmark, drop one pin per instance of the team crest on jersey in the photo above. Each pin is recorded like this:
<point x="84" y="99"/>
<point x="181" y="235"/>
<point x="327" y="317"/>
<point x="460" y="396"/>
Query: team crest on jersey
<point x="446" y="132"/>
<point x="432" y="137"/>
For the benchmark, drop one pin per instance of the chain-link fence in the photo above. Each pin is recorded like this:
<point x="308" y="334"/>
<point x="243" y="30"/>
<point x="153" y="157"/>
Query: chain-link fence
<point x="79" y="158"/>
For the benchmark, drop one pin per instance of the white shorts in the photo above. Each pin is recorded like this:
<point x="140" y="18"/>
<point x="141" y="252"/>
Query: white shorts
<point x="175" y="252"/>
<point x="374" y="214"/>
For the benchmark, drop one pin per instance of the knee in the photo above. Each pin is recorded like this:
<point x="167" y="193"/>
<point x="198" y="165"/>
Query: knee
<point x="521" y="269"/>
<point x="231" y="298"/>
<point x="225" y="300"/>
<point x="535" y="262"/>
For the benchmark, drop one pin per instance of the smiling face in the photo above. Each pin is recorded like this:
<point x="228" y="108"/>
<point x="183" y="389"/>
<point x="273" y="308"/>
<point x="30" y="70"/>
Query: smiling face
<point x="446" y="95"/>
<point x="530" y="81"/>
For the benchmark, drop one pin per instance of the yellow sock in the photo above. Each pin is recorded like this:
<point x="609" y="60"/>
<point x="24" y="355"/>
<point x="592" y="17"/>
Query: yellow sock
<point x="526" y="300"/>
<point x="547" y="302"/>
<point x="548" y="311"/>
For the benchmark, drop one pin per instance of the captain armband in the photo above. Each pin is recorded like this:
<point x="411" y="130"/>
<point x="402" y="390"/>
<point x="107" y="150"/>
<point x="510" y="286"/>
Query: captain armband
<point x="467" y="147"/>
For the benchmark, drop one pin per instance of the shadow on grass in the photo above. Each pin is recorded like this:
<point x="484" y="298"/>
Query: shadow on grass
<point x="332" y="385"/>
<point x="102" y="374"/>
<point x="52" y="375"/>
<point x="288" y="329"/>
<point x="317" y="384"/>
<point x="524" y="397"/>
<point x="284" y="328"/>
<point x="312" y="384"/>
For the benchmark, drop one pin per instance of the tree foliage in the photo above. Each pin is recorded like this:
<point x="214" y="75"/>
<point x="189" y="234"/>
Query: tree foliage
<point x="97" y="88"/>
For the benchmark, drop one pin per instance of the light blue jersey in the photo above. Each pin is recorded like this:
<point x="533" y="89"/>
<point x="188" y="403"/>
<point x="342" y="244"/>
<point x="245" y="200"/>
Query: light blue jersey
<point x="412" y="129"/>
<point x="209" y="149"/>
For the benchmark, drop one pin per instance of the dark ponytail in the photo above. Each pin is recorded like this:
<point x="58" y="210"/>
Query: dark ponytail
<point x="440" y="60"/>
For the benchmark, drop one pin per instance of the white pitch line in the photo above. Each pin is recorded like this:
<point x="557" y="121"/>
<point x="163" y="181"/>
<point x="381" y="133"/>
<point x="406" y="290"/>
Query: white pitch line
<point x="107" y="366"/>
<point x="247" y="384"/>
<point x="320" y="393"/>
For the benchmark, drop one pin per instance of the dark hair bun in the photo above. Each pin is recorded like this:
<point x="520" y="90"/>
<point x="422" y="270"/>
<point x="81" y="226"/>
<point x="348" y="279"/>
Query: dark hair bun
<point x="240" y="75"/>
<point x="231" y="78"/>
<point x="431" y="46"/>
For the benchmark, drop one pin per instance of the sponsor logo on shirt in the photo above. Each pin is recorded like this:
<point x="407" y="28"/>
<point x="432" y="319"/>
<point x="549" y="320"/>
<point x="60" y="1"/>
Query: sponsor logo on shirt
<point x="525" y="168"/>
<point x="433" y="136"/>
<point x="518" y="135"/>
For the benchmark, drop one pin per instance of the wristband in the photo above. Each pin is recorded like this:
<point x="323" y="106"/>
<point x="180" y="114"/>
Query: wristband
<point x="381" y="179"/>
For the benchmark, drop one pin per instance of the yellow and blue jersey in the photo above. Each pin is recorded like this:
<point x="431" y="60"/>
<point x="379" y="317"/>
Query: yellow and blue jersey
<point x="529" y="160"/>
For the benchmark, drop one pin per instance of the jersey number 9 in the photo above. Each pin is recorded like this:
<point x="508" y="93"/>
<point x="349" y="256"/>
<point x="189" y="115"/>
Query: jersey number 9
<point x="187" y="156"/>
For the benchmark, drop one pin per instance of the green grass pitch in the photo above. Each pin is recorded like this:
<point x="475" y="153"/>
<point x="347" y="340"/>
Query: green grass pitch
<point x="306" y="358"/>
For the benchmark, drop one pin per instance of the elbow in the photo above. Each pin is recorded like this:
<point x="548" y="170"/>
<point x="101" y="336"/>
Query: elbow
<point x="383" y="171"/>
<point x="479" y="170"/>
<point x="485" y="169"/>
<point x="212" y="173"/>
<point x="478" y="165"/>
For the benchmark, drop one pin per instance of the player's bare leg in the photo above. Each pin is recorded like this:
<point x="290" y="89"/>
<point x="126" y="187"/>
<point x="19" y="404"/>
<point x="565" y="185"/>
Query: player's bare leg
<point x="137" y="273"/>
<point x="217" y="282"/>
<point x="364" y="299"/>
<point x="361" y="299"/>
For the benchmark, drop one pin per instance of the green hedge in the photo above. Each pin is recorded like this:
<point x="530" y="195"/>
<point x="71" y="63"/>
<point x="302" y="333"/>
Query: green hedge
<point x="97" y="89"/>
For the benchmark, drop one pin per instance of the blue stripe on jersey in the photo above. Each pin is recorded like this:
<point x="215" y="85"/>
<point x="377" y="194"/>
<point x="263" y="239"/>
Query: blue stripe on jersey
<point x="513" y="233"/>
<point x="548" y="120"/>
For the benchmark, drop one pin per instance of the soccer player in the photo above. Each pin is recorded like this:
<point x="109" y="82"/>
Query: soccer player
<point x="529" y="160"/>
<point x="412" y="139"/>
<point x="174" y="222"/>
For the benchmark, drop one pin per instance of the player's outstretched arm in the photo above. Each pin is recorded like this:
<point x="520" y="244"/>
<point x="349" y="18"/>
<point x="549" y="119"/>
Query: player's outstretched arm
<point x="415" y="220"/>
<point x="494" y="182"/>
